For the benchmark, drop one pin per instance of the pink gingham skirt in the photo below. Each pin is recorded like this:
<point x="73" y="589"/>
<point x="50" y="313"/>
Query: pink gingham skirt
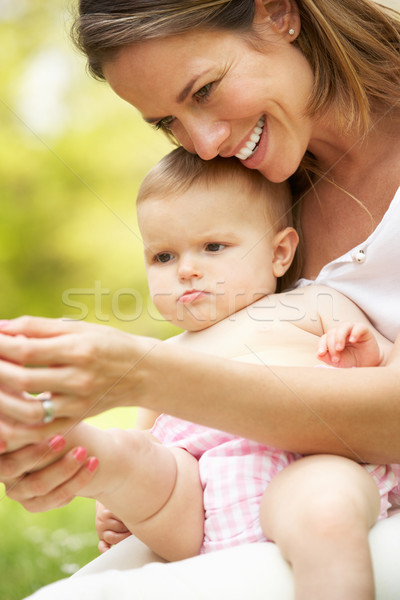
<point x="235" y="472"/>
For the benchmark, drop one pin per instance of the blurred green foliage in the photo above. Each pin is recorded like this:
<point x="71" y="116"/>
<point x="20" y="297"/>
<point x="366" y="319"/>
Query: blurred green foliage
<point x="71" y="159"/>
<point x="72" y="156"/>
<point x="37" y="550"/>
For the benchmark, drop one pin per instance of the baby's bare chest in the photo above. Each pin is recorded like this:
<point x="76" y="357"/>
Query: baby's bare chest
<point x="275" y="331"/>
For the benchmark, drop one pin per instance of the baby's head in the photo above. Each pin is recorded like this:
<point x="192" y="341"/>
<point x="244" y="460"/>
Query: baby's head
<point x="216" y="237"/>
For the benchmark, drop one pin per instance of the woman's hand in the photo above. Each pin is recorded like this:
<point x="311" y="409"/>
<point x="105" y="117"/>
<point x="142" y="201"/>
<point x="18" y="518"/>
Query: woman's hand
<point x="87" y="368"/>
<point x="14" y="436"/>
<point x="52" y="486"/>
<point x="110" y="529"/>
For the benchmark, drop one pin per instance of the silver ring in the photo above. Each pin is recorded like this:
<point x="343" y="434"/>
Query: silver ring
<point x="48" y="408"/>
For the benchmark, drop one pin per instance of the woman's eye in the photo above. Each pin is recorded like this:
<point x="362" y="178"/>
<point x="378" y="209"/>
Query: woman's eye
<point x="204" y="92"/>
<point x="164" y="123"/>
<point x="163" y="257"/>
<point x="215" y="247"/>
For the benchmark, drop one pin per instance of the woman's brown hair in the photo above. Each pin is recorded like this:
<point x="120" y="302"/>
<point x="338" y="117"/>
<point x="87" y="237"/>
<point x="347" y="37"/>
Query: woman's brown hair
<point x="353" y="46"/>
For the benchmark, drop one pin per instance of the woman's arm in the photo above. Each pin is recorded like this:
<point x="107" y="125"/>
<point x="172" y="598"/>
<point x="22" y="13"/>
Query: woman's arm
<point x="354" y="412"/>
<point x="350" y="412"/>
<point x="146" y="419"/>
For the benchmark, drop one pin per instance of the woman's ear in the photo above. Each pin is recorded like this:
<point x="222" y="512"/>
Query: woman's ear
<point x="282" y="14"/>
<point x="284" y="247"/>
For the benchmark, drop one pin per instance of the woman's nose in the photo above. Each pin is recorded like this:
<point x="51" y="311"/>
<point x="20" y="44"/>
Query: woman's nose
<point x="206" y="137"/>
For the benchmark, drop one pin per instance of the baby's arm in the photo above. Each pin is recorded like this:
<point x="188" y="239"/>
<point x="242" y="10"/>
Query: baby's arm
<point x="350" y="345"/>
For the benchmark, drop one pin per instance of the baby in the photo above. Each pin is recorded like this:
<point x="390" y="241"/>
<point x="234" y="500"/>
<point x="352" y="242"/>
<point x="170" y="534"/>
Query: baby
<point x="217" y="237"/>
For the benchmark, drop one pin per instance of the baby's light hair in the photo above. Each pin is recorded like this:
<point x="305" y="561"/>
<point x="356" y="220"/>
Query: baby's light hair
<point x="179" y="170"/>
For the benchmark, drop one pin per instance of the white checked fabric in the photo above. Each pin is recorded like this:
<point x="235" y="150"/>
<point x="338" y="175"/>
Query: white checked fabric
<point x="234" y="473"/>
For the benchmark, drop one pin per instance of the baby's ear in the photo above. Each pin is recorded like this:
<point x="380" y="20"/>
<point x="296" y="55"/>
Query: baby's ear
<point x="284" y="247"/>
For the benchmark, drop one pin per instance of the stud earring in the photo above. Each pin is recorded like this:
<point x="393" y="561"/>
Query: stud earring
<point x="291" y="31"/>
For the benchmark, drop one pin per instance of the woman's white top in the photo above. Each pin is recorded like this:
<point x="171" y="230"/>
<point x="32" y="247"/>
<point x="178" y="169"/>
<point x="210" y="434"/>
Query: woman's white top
<point x="370" y="273"/>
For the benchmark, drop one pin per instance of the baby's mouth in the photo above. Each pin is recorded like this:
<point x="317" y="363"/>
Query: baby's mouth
<point x="190" y="296"/>
<point x="251" y="145"/>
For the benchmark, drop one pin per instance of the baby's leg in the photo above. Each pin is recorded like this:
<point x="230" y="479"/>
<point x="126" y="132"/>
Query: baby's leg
<point x="154" y="490"/>
<point x="319" y="511"/>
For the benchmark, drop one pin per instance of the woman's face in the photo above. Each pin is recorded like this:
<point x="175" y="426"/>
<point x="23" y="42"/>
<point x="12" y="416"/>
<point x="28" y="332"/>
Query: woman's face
<point x="220" y="95"/>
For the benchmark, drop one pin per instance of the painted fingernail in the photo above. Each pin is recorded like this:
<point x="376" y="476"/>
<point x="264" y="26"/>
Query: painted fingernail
<point x="92" y="464"/>
<point x="57" y="443"/>
<point x="80" y="454"/>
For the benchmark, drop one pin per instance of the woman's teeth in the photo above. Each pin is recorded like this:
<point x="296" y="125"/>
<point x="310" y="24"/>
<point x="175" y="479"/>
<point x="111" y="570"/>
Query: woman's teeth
<point x="250" y="146"/>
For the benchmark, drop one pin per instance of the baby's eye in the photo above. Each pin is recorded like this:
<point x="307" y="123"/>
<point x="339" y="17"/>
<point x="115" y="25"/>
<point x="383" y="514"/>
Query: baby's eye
<point x="164" y="123"/>
<point x="214" y="247"/>
<point x="204" y="92"/>
<point x="163" y="257"/>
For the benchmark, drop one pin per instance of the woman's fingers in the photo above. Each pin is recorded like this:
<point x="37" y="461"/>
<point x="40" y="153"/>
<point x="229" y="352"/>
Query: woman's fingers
<point x="55" y="485"/>
<point x="29" y="458"/>
<point x="86" y="373"/>
<point x="35" y="381"/>
<point x="16" y="436"/>
<point x="41" y="327"/>
<point x="20" y="407"/>
<point x="74" y="393"/>
<point x="23" y="350"/>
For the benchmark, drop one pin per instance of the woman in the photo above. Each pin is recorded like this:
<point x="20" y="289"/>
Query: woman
<point x="305" y="90"/>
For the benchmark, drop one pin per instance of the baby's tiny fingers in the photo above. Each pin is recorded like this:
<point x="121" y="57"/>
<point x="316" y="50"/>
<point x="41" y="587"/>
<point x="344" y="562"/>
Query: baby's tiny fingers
<point x="358" y="331"/>
<point x="112" y="537"/>
<point x="116" y="525"/>
<point x="334" y="344"/>
<point x="322" y="348"/>
<point x="103" y="546"/>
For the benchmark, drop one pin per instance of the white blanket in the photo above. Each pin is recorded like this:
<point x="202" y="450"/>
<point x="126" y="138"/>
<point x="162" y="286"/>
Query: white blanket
<point x="254" y="571"/>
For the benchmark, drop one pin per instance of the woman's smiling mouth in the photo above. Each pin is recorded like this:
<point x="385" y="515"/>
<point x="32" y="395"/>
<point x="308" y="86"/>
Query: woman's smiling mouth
<point x="251" y="145"/>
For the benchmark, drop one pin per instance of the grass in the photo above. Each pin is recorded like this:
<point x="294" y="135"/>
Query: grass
<point x="37" y="549"/>
<point x="41" y="548"/>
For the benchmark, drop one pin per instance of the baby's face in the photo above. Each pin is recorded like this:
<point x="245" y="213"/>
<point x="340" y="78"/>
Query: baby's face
<point x="208" y="253"/>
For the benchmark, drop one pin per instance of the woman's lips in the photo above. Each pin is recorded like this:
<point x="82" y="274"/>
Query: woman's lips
<point x="191" y="296"/>
<point x="249" y="146"/>
<point x="257" y="158"/>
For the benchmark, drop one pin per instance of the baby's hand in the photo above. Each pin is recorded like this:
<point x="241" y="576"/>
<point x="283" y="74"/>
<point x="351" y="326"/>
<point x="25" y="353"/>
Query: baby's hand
<point x="110" y="529"/>
<point x="349" y="345"/>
